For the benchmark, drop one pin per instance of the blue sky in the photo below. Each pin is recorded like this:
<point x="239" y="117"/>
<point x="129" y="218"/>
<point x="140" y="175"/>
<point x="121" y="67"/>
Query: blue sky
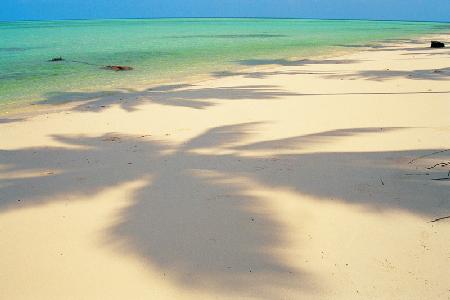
<point x="427" y="10"/>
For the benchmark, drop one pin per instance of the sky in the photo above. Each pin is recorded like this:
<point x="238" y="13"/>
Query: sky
<point x="420" y="10"/>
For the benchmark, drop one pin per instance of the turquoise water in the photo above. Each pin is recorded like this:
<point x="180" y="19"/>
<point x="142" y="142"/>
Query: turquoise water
<point x="164" y="50"/>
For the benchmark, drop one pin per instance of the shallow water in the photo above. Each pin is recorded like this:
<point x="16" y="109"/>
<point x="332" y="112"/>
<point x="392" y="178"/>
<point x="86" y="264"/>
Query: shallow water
<point x="162" y="50"/>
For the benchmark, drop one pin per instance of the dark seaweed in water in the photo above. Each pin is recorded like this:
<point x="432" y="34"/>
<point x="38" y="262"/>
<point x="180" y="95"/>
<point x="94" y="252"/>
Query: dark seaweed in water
<point x="56" y="59"/>
<point x="113" y="67"/>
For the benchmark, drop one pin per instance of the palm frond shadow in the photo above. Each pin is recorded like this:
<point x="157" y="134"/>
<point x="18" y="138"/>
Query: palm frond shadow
<point x="183" y="95"/>
<point x="10" y="120"/>
<point x="381" y="75"/>
<point x="198" y="220"/>
<point x="295" y="63"/>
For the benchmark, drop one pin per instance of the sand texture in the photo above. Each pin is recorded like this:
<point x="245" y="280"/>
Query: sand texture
<point x="293" y="179"/>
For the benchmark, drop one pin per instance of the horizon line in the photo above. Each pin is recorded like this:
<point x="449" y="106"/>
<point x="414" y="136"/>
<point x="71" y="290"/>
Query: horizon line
<point x="268" y="18"/>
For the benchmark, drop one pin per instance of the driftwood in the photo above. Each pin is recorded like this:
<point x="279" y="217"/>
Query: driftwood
<point x="439" y="219"/>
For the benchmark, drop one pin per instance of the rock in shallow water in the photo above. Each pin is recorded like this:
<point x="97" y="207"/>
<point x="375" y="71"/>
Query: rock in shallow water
<point x="118" y="68"/>
<point x="436" y="44"/>
<point x="56" y="59"/>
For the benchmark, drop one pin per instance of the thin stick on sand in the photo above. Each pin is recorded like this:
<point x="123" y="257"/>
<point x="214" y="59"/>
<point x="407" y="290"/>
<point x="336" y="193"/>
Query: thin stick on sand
<point x="439" y="219"/>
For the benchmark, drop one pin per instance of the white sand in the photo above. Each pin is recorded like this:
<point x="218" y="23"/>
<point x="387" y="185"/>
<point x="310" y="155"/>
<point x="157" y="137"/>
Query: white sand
<point x="303" y="181"/>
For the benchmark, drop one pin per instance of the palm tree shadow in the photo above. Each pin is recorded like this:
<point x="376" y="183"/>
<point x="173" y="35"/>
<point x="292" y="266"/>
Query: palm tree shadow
<point x="10" y="120"/>
<point x="192" y="222"/>
<point x="206" y="231"/>
<point x="381" y="75"/>
<point x="182" y="95"/>
<point x="295" y="63"/>
<point x="197" y="221"/>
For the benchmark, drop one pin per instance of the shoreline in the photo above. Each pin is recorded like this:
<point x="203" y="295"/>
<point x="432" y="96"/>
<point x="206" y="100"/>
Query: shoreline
<point x="39" y="106"/>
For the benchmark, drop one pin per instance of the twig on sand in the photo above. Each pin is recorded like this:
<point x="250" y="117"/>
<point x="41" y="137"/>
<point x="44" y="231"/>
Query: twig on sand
<point x="439" y="219"/>
<point x="441" y="179"/>
<point x="417" y="174"/>
<point x="426" y="155"/>
<point x="441" y="164"/>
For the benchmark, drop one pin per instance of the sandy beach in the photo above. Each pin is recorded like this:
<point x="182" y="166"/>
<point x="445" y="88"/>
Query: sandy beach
<point x="293" y="179"/>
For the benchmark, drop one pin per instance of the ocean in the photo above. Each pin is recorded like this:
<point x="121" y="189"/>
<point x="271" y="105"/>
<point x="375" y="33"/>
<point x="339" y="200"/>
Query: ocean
<point x="165" y="50"/>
